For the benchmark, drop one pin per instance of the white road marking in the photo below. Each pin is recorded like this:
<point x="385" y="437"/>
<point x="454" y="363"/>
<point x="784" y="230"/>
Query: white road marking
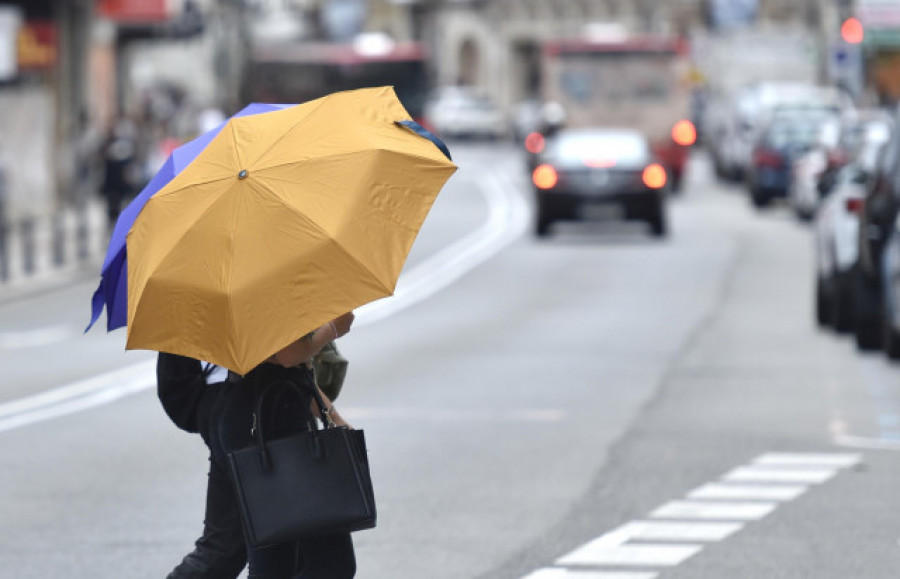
<point x="668" y="531"/>
<point x="867" y="443"/>
<point x="772" y="475"/>
<point x="507" y="220"/>
<point x="615" y="549"/>
<point x="559" y="573"/>
<point x="717" y="491"/>
<point x="834" y="460"/>
<point x="78" y="396"/>
<point x="36" y="337"/>
<point x="645" y="555"/>
<point x="726" y="511"/>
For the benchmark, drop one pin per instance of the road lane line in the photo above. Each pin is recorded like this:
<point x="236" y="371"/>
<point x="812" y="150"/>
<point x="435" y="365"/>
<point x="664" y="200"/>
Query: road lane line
<point x="835" y="460"/>
<point x="681" y="531"/>
<point x="643" y="555"/>
<point x="865" y="443"/>
<point x="727" y="511"/>
<point x="708" y="519"/>
<point x="36" y="337"/>
<point x="772" y="475"/>
<point x="718" y="491"/>
<point x="506" y="221"/>
<point x="78" y="396"/>
<point x="560" y="573"/>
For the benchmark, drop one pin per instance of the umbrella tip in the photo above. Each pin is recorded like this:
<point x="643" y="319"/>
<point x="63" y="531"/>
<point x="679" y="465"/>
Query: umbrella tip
<point x="243" y="174"/>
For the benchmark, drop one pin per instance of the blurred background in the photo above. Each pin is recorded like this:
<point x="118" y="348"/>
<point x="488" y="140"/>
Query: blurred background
<point x="75" y="73"/>
<point x="547" y="377"/>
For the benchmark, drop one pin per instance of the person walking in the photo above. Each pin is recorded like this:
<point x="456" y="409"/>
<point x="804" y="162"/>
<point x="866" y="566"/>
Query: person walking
<point x="231" y="425"/>
<point x="119" y="158"/>
<point x="189" y="390"/>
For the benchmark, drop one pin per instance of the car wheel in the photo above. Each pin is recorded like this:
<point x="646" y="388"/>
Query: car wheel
<point x="866" y="321"/>
<point x="658" y="223"/>
<point x="758" y="198"/>
<point x="841" y="314"/>
<point x="823" y="304"/>
<point x="891" y="340"/>
<point x="542" y="224"/>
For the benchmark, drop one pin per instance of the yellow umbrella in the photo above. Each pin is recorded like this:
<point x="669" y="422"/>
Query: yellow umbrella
<point x="286" y="220"/>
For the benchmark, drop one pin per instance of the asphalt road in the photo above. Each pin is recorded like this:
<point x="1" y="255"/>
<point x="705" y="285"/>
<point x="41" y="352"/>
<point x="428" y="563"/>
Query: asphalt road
<point x="526" y="399"/>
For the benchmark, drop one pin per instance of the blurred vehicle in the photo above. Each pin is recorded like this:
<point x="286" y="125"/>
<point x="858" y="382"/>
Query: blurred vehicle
<point x="527" y="119"/>
<point x="789" y="134"/>
<point x="836" y="224"/>
<point x="806" y="185"/>
<point x="585" y="174"/>
<point x="876" y="225"/>
<point x="634" y="82"/>
<point x="859" y="136"/>
<point x="296" y="72"/>
<point x="462" y="111"/>
<point x="739" y="117"/>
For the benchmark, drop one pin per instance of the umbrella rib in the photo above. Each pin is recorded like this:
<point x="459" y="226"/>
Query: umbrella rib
<point x="285" y="133"/>
<point x="353" y="152"/>
<point x="165" y="191"/>
<point x="324" y="233"/>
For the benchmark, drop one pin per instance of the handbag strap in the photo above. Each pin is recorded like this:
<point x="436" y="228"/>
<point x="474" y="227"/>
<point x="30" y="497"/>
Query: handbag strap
<point x="278" y="387"/>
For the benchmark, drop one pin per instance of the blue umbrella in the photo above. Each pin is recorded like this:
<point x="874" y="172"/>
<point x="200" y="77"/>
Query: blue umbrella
<point x="112" y="291"/>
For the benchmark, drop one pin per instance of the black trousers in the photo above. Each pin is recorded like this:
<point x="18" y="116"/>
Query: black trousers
<point x="326" y="557"/>
<point x="220" y="552"/>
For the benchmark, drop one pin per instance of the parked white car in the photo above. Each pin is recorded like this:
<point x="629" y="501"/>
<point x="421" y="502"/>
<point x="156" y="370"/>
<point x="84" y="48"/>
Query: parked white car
<point x="837" y="232"/>
<point x="804" y="191"/>
<point x="460" y="111"/>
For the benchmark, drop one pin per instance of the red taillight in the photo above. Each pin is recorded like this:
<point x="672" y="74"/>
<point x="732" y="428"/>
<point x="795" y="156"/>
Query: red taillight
<point x="545" y="177"/>
<point x="684" y="133"/>
<point x="855" y="204"/>
<point x="836" y="159"/>
<point x="534" y="143"/>
<point x="599" y="163"/>
<point x="654" y="176"/>
<point x="765" y="158"/>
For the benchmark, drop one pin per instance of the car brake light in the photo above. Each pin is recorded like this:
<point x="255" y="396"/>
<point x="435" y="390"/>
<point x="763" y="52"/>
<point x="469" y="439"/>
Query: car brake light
<point x="534" y="143"/>
<point x="684" y="133"/>
<point x="599" y="163"/>
<point x="855" y="205"/>
<point x="836" y="159"/>
<point x="765" y="158"/>
<point x="545" y="177"/>
<point x="654" y="176"/>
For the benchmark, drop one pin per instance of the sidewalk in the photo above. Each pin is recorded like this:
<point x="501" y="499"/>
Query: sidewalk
<point x="51" y="250"/>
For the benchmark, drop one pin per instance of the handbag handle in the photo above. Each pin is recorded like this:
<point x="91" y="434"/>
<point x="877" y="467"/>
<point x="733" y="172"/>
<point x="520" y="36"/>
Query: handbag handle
<point x="278" y="388"/>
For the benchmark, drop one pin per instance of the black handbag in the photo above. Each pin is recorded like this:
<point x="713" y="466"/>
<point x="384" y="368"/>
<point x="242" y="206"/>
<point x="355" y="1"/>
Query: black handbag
<point x="307" y="484"/>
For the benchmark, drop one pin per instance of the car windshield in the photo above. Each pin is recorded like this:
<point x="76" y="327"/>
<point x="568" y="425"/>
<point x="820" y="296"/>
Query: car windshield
<point x="614" y="147"/>
<point x="794" y="130"/>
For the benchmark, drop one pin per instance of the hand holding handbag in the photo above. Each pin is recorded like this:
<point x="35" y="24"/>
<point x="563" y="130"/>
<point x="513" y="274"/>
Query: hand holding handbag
<point x="307" y="484"/>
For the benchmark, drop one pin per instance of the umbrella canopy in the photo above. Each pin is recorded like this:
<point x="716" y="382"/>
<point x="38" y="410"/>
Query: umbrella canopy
<point x="112" y="292"/>
<point x="286" y="220"/>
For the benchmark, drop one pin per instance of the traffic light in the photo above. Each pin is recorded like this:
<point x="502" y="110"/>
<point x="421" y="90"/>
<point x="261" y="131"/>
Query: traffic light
<point x="852" y="31"/>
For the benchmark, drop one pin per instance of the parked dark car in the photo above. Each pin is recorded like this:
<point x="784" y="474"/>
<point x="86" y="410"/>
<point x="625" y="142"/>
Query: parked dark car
<point x="876" y="222"/>
<point x="789" y="134"/>
<point x="583" y="174"/>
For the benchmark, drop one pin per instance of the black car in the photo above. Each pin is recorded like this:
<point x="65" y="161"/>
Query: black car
<point x="876" y="220"/>
<point x="584" y="174"/>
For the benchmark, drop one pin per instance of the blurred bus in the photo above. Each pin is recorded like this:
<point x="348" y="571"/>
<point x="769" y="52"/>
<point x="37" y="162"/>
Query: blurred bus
<point x="640" y="83"/>
<point x="299" y="72"/>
